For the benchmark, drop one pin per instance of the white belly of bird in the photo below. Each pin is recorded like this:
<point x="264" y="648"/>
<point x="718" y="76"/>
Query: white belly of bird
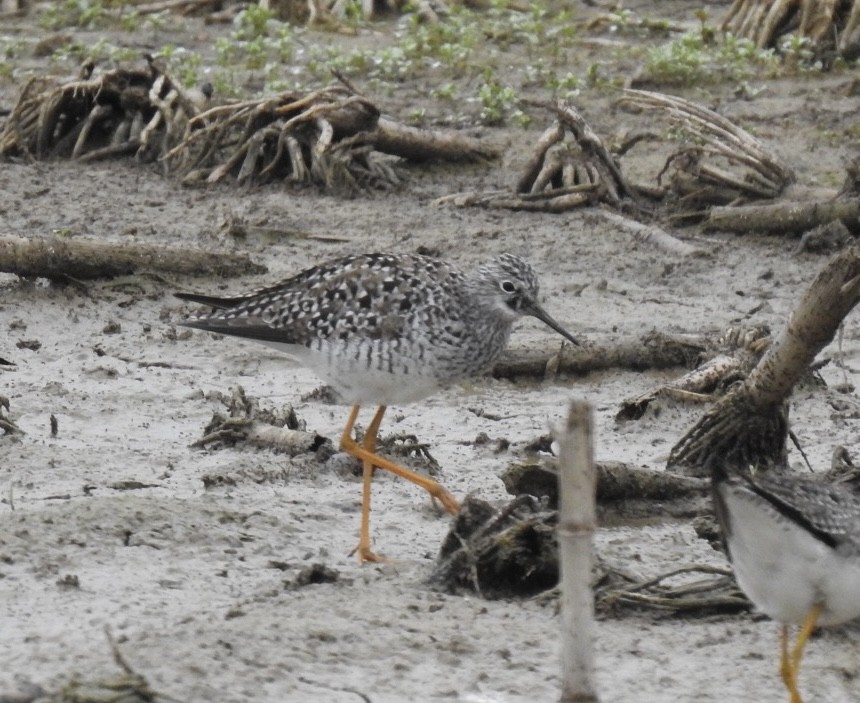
<point x="358" y="380"/>
<point x="784" y="569"/>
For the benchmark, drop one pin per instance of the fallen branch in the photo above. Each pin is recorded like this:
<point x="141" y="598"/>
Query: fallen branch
<point x="246" y="423"/>
<point x="60" y="258"/>
<point x="617" y="483"/>
<point x="617" y="592"/>
<point x="654" y="351"/>
<point x="787" y="217"/>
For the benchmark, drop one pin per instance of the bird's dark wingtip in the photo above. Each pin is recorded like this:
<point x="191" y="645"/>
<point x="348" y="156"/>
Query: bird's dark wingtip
<point x="212" y="301"/>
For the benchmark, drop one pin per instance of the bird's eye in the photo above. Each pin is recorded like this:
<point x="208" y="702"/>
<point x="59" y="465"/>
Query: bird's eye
<point x="508" y="287"/>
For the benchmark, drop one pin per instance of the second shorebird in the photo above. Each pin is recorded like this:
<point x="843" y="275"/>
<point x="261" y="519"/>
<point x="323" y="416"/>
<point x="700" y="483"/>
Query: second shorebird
<point x="795" y="547"/>
<point x="383" y="329"/>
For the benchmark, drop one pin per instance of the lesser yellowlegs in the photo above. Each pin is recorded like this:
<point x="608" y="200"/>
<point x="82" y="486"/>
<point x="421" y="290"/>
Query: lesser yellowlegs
<point x="795" y="547"/>
<point x="383" y="329"/>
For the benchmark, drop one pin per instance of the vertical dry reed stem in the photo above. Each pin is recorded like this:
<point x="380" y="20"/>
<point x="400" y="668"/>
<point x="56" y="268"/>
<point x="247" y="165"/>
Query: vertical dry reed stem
<point x="577" y="485"/>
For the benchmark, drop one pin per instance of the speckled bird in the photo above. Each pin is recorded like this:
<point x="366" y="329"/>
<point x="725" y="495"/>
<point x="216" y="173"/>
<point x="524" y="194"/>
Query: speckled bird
<point x="385" y="329"/>
<point x="795" y="547"/>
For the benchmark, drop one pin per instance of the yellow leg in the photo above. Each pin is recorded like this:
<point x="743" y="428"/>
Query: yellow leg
<point x="790" y="663"/>
<point x="789" y="675"/>
<point x="366" y="451"/>
<point x="368" y="444"/>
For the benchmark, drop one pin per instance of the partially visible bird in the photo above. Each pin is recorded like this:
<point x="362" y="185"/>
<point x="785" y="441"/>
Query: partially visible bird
<point x="383" y="329"/>
<point x="795" y="548"/>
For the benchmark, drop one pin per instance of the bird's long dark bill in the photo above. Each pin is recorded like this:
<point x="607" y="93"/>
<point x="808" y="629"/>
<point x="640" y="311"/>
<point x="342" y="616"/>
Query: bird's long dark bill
<point x="535" y="310"/>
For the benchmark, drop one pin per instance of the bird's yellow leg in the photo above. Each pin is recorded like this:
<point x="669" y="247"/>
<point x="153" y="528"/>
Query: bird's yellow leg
<point x="790" y="666"/>
<point x="368" y="444"/>
<point x="350" y="446"/>
<point x="789" y="675"/>
<point x="366" y="451"/>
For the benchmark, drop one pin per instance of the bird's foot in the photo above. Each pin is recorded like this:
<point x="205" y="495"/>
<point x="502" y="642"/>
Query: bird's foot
<point x="367" y="556"/>
<point x="448" y="502"/>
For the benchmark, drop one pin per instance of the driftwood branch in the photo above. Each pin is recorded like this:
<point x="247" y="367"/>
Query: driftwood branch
<point x="749" y="426"/>
<point x="247" y="423"/>
<point x="62" y="258"/>
<point x="617" y="591"/>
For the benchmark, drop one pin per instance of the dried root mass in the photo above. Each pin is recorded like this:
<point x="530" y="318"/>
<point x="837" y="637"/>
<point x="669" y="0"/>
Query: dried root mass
<point x="569" y="168"/>
<point x="331" y="137"/>
<point x="719" y="163"/>
<point x="830" y="25"/>
<point x="122" y="111"/>
<point x="323" y="137"/>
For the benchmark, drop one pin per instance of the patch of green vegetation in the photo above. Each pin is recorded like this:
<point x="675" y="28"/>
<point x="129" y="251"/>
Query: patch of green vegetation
<point x="446" y="91"/>
<point x="11" y="49"/>
<point x="183" y="64"/>
<point x="703" y="56"/>
<point x="75" y="53"/>
<point x="73" y="13"/>
<point x="466" y="44"/>
<point x="499" y="103"/>
<point x="252" y="22"/>
<point x="798" y="55"/>
<point x="496" y="101"/>
<point x="258" y="42"/>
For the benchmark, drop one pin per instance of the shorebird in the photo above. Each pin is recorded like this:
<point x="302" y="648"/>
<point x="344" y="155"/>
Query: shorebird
<point x="384" y="329"/>
<point x="795" y="548"/>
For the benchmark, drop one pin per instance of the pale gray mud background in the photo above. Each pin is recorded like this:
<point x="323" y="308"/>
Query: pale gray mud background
<point x="196" y="584"/>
